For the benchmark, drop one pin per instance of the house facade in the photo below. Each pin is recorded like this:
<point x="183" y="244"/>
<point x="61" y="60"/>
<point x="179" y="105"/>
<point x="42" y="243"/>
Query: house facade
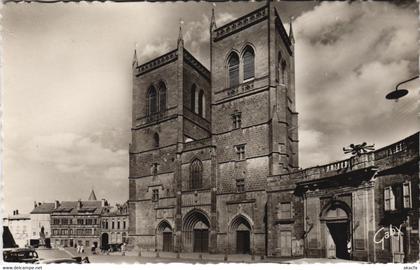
<point x="41" y="224"/>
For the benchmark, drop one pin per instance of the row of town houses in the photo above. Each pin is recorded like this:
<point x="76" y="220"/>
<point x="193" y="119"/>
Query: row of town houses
<point x="69" y="223"/>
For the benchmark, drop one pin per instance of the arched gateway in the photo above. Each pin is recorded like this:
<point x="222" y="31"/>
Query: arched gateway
<point x="337" y="218"/>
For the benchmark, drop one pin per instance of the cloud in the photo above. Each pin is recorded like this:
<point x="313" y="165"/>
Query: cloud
<point x="69" y="152"/>
<point x="348" y="56"/>
<point x="152" y="50"/>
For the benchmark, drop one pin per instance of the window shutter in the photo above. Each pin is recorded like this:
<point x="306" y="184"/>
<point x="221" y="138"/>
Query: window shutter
<point x="386" y="199"/>
<point x="392" y="199"/>
<point x="407" y="194"/>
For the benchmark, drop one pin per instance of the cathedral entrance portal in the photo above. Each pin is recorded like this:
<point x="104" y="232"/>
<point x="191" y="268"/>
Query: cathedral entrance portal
<point x="164" y="237"/>
<point x="196" y="231"/>
<point x="240" y="232"/>
<point x="201" y="237"/>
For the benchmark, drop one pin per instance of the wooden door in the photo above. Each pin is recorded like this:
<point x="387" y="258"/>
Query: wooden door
<point x="167" y="241"/>
<point x="286" y="243"/>
<point x="201" y="240"/>
<point x="242" y="242"/>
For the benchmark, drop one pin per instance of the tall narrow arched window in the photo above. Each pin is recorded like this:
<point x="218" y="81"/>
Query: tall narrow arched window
<point x="278" y="73"/>
<point x="200" y="102"/>
<point x="233" y="67"/>
<point x="196" y="174"/>
<point x="162" y="97"/>
<point x="249" y="65"/>
<point x="192" y="97"/>
<point x="156" y="140"/>
<point x="152" y="100"/>
<point x="283" y="72"/>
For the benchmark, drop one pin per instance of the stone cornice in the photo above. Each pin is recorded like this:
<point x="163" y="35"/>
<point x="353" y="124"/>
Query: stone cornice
<point x="157" y="62"/>
<point x="283" y="34"/>
<point x="190" y="59"/>
<point x="241" y="23"/>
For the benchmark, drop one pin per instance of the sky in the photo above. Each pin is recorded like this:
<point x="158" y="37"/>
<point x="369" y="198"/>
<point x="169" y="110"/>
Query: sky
<point x="66" y="84"/>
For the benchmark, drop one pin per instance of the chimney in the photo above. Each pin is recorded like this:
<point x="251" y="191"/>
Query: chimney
<point x="79" y="204"/>
<point x="35" y="204"/>
<point x="57" y="204"/>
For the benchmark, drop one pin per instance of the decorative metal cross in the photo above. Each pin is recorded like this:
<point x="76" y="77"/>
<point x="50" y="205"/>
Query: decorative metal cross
<point x="358" y="149"/>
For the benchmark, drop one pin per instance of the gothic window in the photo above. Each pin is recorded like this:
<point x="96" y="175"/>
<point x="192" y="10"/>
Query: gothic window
<point x="389" y="199"/>
<point x="156" y="140"/>
<point x="196" y="174"/>
<point x="240" y="151"/>
<point x="407" y="194"/>
<point x="284" y="73"/>
<point x="201" y="106"/>
<point x="279" y="61"/>
<point x="152" y="101"/>
<point x="240" y="185"/>
<point x="233" y="67"/>
<point x="162" y="97"/>
<point x="237" y="120"/>
<point x="193" y="94"/>
<point x="249" y="65"/>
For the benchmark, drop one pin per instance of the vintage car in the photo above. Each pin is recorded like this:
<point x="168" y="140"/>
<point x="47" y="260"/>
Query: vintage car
<point x="20" y="255"/>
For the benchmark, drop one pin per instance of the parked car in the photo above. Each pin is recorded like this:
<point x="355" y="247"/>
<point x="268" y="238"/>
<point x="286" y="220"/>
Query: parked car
<point x="22" y="255"/>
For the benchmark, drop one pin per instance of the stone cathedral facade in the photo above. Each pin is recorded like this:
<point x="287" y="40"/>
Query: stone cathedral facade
<point x="214" y="159"/>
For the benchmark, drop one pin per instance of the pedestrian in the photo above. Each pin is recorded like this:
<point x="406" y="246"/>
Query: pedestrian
<point x="93" y="249"/>
<point x="82" y="249"/>
<point x="123" y="249"/>
<point x="77" y="248"/>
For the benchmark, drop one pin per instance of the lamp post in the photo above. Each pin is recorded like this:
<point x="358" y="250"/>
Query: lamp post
<point x="399" y="93"/>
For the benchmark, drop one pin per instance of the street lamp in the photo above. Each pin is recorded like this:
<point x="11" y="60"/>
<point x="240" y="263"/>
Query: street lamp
<point x="399" y="93"/>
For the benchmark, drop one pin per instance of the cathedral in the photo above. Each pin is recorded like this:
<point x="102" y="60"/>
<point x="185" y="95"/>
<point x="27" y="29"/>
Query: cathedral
<point x="214" y="160"/>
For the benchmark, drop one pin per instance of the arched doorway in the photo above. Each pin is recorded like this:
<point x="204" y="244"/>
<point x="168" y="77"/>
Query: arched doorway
<point x="336" y="217"/>
<point x="240" y="233"/>
<point x="164" y="236"/>
<point x="104" y="241"/>
<point x="195" y="229"/>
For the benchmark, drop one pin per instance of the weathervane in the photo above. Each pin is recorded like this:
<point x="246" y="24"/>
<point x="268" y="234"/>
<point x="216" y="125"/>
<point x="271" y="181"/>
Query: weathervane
<point x="358" y="149"/>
